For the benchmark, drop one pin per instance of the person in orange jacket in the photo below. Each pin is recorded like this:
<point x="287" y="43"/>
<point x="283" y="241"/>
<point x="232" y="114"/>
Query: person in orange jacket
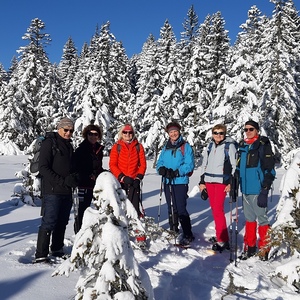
<point x="127" y="162"/>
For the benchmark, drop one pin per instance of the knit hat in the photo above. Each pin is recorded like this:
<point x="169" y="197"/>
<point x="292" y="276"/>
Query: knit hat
<point x="127" y="127"/>
<point x="253" y="123"/>
<point x="173" y="126"/>
<point x="65" y="122"/>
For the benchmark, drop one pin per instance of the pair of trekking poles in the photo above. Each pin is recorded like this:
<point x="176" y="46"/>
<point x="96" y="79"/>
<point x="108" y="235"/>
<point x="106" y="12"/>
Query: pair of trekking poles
<point x="171" y="203"/>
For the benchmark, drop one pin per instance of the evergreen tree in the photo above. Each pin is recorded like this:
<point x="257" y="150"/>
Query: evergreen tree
<point x="102" y="249"/>
<point x="22" y="119"/>
<point x="67" y="69"/>
<point x="279" y="101"/>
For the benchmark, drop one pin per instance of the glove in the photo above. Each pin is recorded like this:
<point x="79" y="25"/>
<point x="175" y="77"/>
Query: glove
<point x="262" y="199"/>
<point x="204" y="194"/>
<point x="71" y="180"/>
<point x="162" y="171"/>
<point x="128" y="180"/>
<point x="171" y="174"/>
<point x="136" y="183"/>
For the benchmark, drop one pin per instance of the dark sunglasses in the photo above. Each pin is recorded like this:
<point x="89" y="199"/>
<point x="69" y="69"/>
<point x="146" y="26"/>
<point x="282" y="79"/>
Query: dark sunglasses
<point x="218" y="133"/>
<point x="127" y="132"/>
<point x="250" y="129"/>
<point x="66" y="130"/>
<point x="93" y="133"/>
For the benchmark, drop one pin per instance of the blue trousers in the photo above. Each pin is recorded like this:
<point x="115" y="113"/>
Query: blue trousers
<point x="176" y="198"/>
<point x="56" y="213"/>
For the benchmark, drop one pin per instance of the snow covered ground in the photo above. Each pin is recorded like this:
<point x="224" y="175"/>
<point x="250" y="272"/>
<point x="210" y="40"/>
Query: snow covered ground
<point x="176" y="274"/>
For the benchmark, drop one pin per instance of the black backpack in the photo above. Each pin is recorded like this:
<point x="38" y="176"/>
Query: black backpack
<point x="34" y="161"/>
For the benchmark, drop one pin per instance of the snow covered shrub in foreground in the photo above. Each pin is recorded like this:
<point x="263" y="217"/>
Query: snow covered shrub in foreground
<point x="285" y="232"/>
<point x="102" y="248"/>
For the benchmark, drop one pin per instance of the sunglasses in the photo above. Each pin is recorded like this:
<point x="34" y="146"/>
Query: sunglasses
<point x="218" y="133"/>
<point x="127" y="132"/>
<point x="67" y="130"/>
<point x="93" y="134"/>
<point x="250" y="129"/>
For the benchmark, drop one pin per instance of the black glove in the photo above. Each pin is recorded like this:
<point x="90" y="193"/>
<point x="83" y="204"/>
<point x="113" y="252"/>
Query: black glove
<point x="136" y="183"/>
<point x="204" y="194"/>
<point x="262" y="199"/>
<point x="71" y="180"/>
<point x="171" y="174"/>
<point x="128" y="180"/>
<point x="162" y="171"/>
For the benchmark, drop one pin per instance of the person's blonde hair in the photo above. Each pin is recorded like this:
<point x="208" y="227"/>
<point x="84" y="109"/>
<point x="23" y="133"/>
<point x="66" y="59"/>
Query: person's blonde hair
<point x="220" y="126"/>
<point x="120" y="137"/>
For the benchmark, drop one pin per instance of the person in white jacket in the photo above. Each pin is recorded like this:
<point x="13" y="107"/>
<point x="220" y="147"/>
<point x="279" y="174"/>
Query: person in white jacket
<point x="218" y="167"/>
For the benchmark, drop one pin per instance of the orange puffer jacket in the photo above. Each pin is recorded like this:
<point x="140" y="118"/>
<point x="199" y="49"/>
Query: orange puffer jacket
<point x="130" y="160"/>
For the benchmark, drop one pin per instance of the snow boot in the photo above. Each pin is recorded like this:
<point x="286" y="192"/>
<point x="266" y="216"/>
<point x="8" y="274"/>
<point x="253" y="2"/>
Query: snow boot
<point x="221" y="246"/>
<point x="263" y="241"/>
<point x="42" y="247"/>
<point x="184" y="240"/>
<point x="248" y="252"/>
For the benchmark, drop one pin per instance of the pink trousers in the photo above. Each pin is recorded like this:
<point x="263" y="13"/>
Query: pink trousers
<point x="216" y="195"/>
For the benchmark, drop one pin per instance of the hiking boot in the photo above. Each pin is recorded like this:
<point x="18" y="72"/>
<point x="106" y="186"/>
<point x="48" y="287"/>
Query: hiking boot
<point x="251" y="251"/>
<point x="185" y="240"/>
<point x="263" y="255"/>
<point x="213" y="239"/>
<point x="221" y="246"/>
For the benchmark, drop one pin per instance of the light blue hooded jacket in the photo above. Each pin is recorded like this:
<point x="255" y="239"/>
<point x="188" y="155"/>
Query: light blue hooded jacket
<point x="178" y="156"/>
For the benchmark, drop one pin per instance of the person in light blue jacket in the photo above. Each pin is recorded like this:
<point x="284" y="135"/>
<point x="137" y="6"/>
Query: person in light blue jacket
<point x="176" y="164"/>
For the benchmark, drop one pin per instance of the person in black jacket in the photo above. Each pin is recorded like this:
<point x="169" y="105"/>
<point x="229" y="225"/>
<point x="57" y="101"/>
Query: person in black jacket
<point x="88" y="163"/>
<point x="57" y="184"/>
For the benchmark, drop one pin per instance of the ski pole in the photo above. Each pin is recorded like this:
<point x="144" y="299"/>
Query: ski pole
<point x="141" y="199"/>
<point x="160" y="196"/>
<point x="76" y="208"/>
<point x="236" y="231"/>
<point x="230" y="231"/>
<point x="172" y="210"/>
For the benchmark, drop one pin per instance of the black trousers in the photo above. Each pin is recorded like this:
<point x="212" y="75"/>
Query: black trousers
<point x="85" y="200"/>
<point x="134" y="195"/>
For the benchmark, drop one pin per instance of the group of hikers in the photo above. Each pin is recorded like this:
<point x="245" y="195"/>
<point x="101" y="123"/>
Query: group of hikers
<point x="251" y="163"/>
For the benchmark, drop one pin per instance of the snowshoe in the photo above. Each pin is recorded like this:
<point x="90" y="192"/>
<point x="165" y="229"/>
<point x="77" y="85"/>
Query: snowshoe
<point x="42" y="260"/>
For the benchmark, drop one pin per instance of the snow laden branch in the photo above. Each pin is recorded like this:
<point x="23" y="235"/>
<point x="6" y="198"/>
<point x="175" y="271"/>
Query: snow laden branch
<point x="102" y="249"/>
<point x="285" y="232"/>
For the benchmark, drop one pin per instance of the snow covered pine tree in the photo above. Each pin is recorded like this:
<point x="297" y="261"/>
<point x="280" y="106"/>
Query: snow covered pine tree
<point x="102" y="248"/>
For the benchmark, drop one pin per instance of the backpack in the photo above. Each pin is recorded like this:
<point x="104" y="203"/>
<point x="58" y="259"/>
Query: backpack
<point x="182" y="148"/>
<point x="227" y="164"/>
<point x="137" y="146"/>
<point x="37" y="143"/>
<point x="226" y="148"/>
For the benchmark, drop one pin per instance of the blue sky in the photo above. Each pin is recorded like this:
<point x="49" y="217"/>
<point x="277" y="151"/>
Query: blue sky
<point x="131" y="20"/>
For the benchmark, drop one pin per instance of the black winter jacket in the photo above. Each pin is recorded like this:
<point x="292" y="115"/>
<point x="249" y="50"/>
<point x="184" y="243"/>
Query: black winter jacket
<point x="55" y="165"/>
<point x="87" y="162"/>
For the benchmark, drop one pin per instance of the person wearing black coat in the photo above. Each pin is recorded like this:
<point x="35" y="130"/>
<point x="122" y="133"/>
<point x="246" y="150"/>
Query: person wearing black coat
<point x="57" y="183"/>
<point x="88" y="163"/>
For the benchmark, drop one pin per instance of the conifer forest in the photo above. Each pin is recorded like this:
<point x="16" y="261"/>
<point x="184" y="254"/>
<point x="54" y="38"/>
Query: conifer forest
<point x="200" y="79"/>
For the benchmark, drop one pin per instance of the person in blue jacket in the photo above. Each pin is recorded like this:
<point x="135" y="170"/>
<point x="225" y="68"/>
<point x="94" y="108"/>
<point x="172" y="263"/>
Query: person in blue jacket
<point x="255" y="167"/>
<point x="175" y="164"/>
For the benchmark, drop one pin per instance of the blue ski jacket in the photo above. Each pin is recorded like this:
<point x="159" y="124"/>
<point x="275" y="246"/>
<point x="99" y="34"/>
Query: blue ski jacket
<point x="255" y="166"/>
<point x="177" y="157"/>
